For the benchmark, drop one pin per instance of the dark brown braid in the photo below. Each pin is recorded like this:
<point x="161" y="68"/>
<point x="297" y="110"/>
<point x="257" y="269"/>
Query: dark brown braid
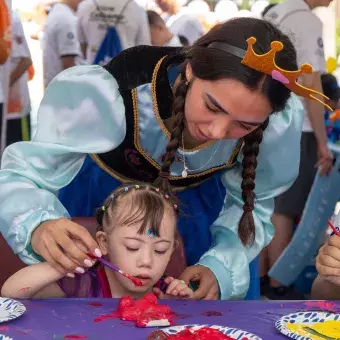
<point x="251" y="148"/>
<point x="176" y="136"/>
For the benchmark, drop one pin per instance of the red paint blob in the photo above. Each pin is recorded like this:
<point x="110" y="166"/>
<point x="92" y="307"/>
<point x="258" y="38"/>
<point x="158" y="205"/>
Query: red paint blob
<point x="75" y="336"/>
<point x="141" y="311"/>
<point x="137" y="282"/>
<point x="95" y="304"/>
<point x="4" y="328"/>
<point x="212" y="313"/>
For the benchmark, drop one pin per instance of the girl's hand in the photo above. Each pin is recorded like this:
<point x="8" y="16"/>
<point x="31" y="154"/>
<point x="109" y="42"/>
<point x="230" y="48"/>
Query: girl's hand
<point x="208" y="286"/>
<point x="328" y="260"/>
<point x="176" y="289"/>
<point x="55" y="241"/>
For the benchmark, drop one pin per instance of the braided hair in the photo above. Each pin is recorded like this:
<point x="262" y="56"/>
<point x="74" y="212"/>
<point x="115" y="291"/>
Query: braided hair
<point x="213" y="64"/>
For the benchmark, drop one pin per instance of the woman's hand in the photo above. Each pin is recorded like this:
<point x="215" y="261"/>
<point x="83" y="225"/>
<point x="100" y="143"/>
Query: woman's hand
<point x="63" y="244"/>
<point x="328" y="260"/>
<point x="208" y="287"/>
<point x="325" y="162"/>
<point x="177" y="289"/>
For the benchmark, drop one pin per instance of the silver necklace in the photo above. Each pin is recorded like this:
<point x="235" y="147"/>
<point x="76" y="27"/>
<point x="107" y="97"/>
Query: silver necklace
<point x="186" y="169"/>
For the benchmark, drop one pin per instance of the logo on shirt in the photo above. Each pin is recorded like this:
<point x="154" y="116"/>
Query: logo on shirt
<point x="70" y="35"/>
<point x="320" y="42"/>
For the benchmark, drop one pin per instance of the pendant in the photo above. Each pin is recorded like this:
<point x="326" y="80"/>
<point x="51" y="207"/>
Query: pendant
<point x="185" y="173"/>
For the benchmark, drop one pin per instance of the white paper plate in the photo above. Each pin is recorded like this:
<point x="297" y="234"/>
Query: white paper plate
<point x="232" y="332"/>
<point x="308" y="318"/>
<point x="10" y="309"/>
<point x="4" y="337"/>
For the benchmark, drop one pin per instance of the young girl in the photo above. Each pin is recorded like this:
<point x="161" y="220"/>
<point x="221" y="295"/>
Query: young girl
<point x="137" y="233"/>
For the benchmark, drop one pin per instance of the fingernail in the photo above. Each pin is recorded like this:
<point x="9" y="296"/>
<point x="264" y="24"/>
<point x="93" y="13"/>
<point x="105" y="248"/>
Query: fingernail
<point x="80" y="270"/>
<point x="88" y="263"/>
<point x="98" y="253"/>
<point x="70" y="275"/>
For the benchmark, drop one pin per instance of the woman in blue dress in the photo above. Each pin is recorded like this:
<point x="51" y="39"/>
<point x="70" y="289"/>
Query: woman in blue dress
<point x="190" y="118"/>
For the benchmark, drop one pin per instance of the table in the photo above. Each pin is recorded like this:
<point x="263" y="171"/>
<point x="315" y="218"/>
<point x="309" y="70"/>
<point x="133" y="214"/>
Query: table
<point x="55" y="319"/>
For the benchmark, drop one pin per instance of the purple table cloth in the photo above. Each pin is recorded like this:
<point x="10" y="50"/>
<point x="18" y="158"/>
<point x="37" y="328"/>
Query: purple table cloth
<point x="64" y="318"/>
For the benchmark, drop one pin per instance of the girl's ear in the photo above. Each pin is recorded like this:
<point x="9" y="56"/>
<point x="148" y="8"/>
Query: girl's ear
<point x="101" y="237"/>
<point x="188" y="73"/>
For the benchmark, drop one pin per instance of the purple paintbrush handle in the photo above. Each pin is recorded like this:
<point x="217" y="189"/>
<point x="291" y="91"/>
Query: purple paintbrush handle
<point x="108" y="264"/>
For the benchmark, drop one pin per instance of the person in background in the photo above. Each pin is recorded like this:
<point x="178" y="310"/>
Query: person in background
<point x="96" y="16"/>
<point x="160" y="34"/>
<point x="267" y="9"/>
<point x="180" y="23"/>
<point x="61" y="48"/>
<point x="18" y="96"/>
<point x="315" y="153"/>
<point x="331" y="89"/>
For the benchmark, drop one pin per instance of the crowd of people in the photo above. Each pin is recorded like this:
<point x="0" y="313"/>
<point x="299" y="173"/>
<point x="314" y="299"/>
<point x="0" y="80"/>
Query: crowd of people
<point x="193" y="133"/>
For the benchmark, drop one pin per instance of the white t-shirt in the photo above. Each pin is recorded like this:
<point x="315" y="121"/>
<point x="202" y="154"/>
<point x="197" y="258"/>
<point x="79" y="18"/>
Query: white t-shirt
<point x="173" y="42"/>
<point x="295" y="18"/>
<point x="185" y="25"/>
<point x="60" y="39"/>
<point x="133" y="27"/>
<point x="19" y="92"/>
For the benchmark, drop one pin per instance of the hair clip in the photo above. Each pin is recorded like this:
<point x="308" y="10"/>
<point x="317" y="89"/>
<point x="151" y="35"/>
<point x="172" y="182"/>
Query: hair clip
<point x="103" y="208"/>
<point x="112" y="197"/>
<point x="126" y="189"/>
<point x="137" y="186"/>
<point x="166" y="197"/>
<point x="150" y="233"/>
<point x="175" y="206"/>
<point x="157" y="189"/>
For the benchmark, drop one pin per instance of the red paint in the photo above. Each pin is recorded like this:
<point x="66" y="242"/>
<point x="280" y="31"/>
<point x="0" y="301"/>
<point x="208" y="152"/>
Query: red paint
<point x="137" y="282"/>
<point x="212" y="313"/>
<point x="95" y="304"/>
<point x="112" y="315"/>
<point x="324" y="305"/>
<point x="25" y="289"/>
<point x="4" y="328"/>
<point x="74" y="336"/>
<point x="187" y="334"/>
<point x="140" y="311"/>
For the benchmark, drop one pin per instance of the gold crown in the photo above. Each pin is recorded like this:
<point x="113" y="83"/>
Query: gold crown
<point x="266" y="63"/>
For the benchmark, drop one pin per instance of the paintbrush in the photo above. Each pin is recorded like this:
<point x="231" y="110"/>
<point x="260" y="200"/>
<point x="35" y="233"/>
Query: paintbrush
<point x="135" y="280"/>
<point x="314" y="332"/>
<point x="336" y="232"/>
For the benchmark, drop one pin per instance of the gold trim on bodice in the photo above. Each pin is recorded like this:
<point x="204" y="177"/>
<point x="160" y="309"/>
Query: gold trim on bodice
<point x="156" y="110"/>
<point x="158" y="166"/>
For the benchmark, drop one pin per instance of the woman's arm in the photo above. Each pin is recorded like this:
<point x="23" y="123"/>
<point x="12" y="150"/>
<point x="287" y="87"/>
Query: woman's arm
<point x="278" y="164"/>
<point x="36" y="281"/>
<point x="82" y="112"/>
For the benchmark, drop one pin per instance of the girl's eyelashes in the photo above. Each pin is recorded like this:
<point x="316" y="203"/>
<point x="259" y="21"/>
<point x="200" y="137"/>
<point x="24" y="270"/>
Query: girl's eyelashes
<point x="132" y="249"/>
<point x="161" y="252"/>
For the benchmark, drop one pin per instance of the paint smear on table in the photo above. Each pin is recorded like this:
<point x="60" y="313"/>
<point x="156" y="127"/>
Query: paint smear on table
<point x="329" y="329"/>
<point x="75" y="336"/>
<point x="4" y="328"/>
<point x="112" y="315"/>
<point x="324" y="305"/>
<point x="212" y="313"/>
<point x="95" y="304"/>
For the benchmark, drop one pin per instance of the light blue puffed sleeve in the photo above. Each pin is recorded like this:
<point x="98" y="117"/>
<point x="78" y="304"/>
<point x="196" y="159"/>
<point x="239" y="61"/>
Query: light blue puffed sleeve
<point x="278" y="165"/>
<point x="82" y="112"/>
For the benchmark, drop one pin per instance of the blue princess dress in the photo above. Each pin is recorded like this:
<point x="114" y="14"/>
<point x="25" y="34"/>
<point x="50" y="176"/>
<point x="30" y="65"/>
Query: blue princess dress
<point x="98" y="127"/>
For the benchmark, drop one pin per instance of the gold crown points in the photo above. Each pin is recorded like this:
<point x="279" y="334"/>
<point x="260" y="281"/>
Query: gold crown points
<point x="266" y="63"/>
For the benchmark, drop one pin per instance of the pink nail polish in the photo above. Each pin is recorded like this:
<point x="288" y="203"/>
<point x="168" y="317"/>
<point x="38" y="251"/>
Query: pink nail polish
<point x="70" y="275"/>
<point x="88" y="263"/>
<point x="98" y="253"/>
<point x="80" y="270"/>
